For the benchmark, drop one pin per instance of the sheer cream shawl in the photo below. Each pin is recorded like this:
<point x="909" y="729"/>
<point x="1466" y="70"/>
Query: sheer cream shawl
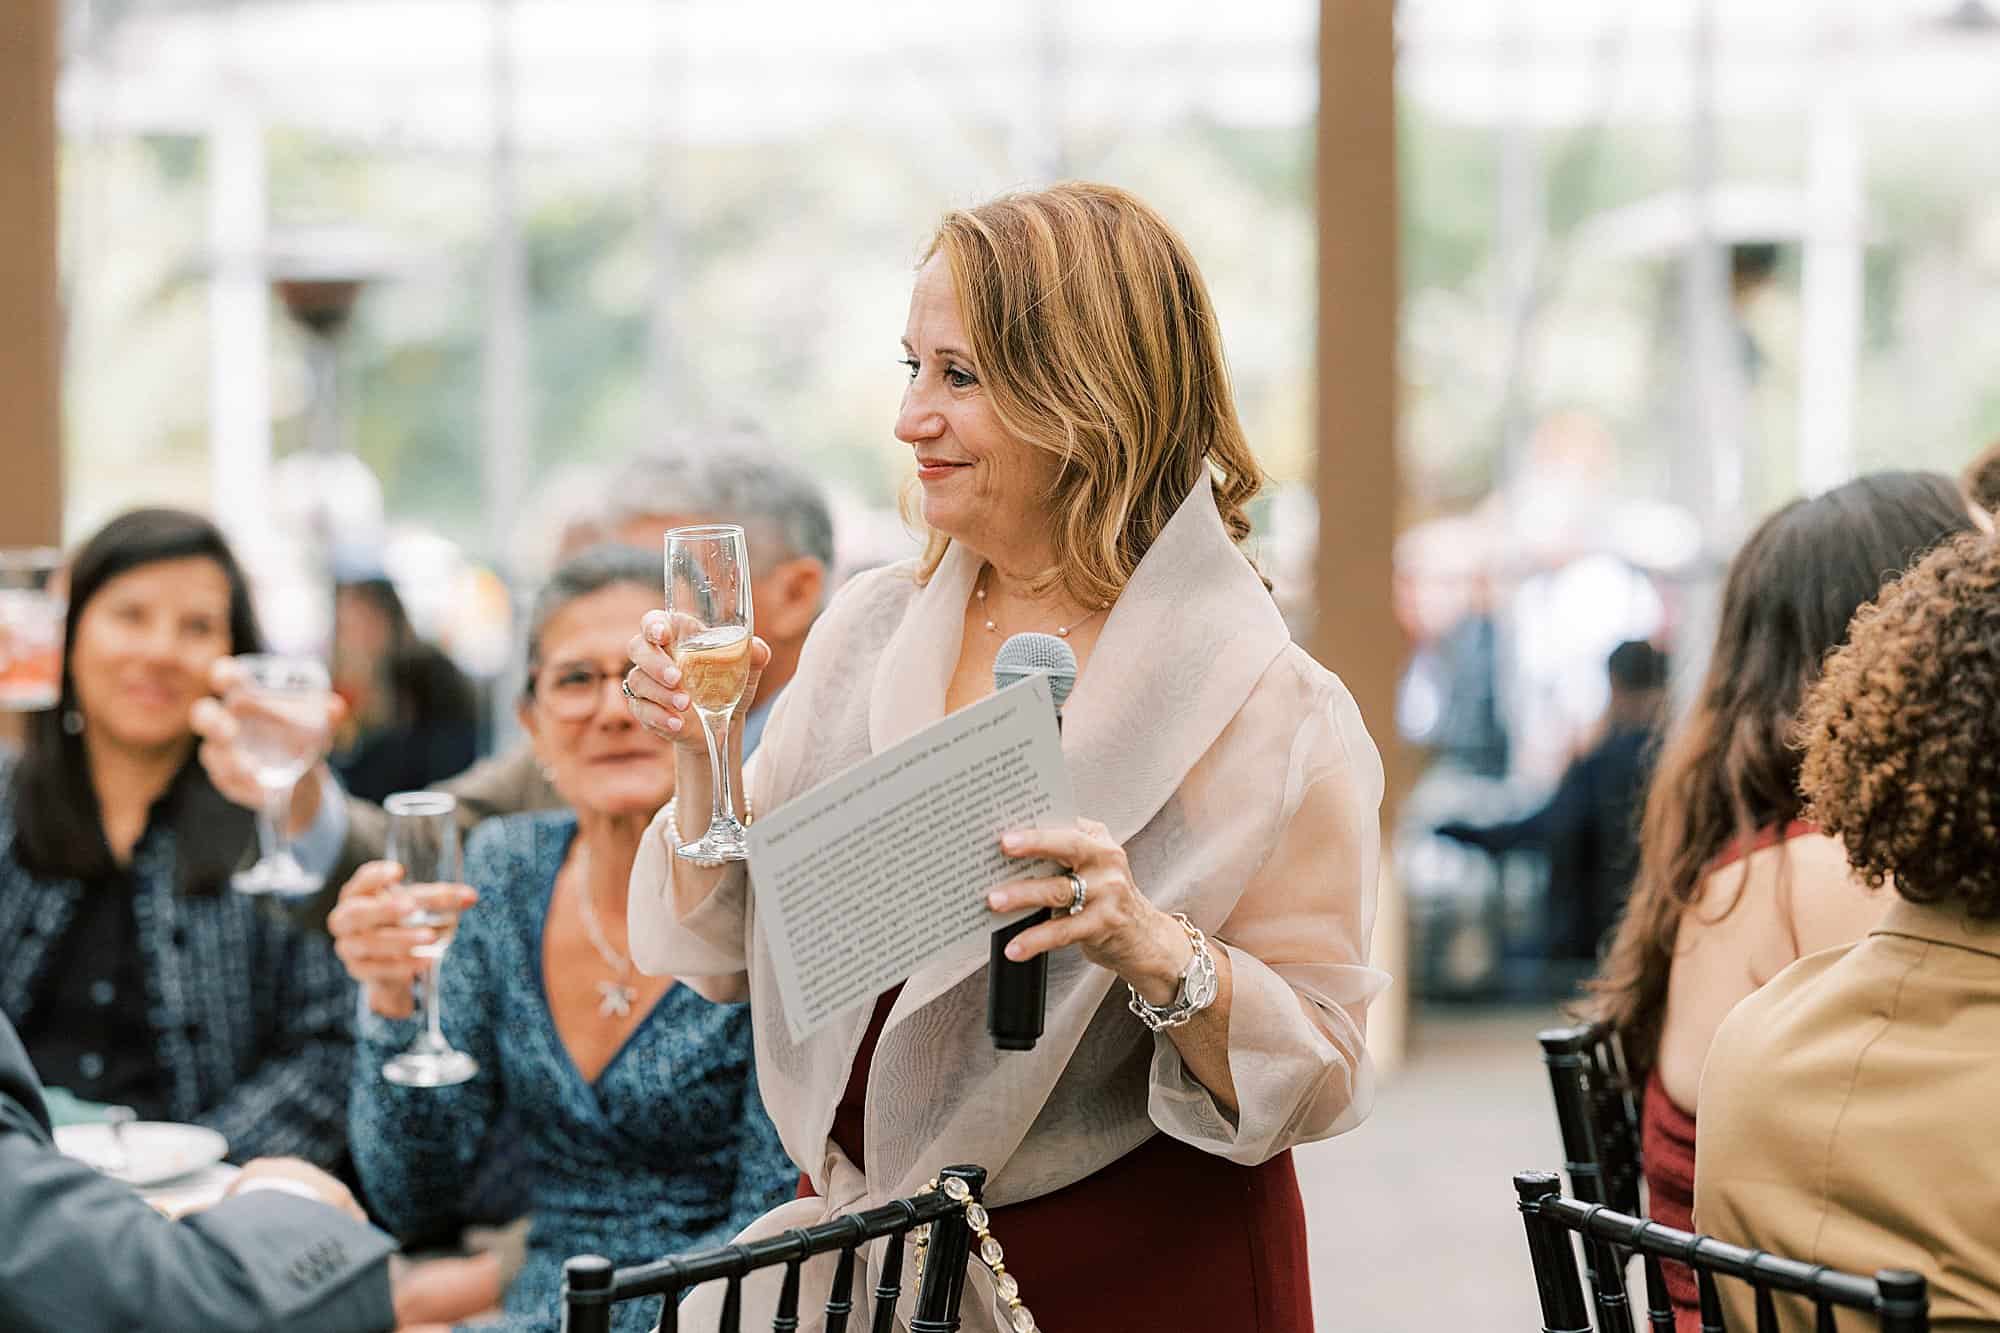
<point x="1238" y="775"/>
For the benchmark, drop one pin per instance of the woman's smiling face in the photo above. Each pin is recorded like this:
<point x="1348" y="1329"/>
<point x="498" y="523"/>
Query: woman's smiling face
<point x="144" y="644"/>
<point x="981" y="486"/>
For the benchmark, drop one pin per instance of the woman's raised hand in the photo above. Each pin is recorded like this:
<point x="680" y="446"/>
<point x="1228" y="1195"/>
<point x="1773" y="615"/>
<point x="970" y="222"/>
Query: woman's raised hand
<point x="373" y="943"/>
<point x="656" y="699"/>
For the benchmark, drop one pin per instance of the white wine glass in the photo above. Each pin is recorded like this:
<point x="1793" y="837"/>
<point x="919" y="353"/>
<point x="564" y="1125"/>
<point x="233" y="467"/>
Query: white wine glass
<point x="708" y="584"/>
<point x="280" y="705"/>
<point x="423" y="839"/>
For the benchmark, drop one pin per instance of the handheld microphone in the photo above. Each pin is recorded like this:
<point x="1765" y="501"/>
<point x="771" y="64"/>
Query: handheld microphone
<point x="1017" y="994"/>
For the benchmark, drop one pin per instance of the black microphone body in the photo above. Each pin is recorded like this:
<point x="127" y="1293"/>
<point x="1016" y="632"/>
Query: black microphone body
<point x="1017" y="994"/>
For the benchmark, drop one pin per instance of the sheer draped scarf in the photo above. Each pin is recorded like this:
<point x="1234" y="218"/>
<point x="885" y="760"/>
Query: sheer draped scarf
<point x="1240" y="778"/>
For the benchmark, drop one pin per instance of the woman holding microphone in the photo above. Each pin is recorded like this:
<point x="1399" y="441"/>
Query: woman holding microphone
<point x="1081" y="472"/>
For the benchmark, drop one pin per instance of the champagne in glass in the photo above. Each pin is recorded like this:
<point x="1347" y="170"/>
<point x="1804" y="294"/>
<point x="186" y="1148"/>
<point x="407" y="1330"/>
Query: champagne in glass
<point x="280" y="706"/>
<point x="708" y="584"/>
<point x="423" y="839"/>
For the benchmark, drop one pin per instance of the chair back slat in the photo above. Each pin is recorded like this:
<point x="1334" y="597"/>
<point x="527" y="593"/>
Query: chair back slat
<point x="732" y="1308"/>
<point x="889" y="1288"/>
<point x="1614" y="1304"/>
<point x="840" y="1299"/>
<point x="1823" y="1321"/>
<point x="1767" y="1311"/>
<point x="1899" y="1300"/>
<point x="786" y="1320"/>
<point x="1711" y="1304"/>
<point x="1659" y="1305"/>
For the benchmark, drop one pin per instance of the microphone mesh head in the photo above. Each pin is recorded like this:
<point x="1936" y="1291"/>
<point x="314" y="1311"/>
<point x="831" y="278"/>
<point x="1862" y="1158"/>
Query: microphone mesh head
<point x="1023" y="655"/>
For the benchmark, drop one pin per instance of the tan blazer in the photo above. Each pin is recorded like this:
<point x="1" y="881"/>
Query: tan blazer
<point x="1850" y="1116"/>
<point x="1238" y="775"/>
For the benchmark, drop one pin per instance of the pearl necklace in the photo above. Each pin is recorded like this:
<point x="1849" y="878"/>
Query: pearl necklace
<point x="615" y="996"/>
<point x="979" y="591"/>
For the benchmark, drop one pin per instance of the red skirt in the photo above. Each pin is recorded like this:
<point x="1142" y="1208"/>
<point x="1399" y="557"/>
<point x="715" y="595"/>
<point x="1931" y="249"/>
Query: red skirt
<point x="1166" y="1237"/>
<point x="1666" y="1147"/>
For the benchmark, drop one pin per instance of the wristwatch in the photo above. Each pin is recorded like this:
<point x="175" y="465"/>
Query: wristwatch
<point x="1197" y="989"/>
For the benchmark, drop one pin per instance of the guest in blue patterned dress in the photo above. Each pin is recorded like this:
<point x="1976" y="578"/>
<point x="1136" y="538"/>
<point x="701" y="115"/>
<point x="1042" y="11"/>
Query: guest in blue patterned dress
<point x="637" y="1099"/>
<point x="132" y="972"/>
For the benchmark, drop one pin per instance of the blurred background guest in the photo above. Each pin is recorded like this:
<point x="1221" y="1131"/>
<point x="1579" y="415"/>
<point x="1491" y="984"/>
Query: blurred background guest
<point x="1082" y="471"/>
<point x="412" y="715"/>
<point x="133" y="973"/>
<point x="1844" y="1106"/>
<point x="634" y="1099"/>
<point x="1734" y="884"/>
<point x="1590" y="827"/>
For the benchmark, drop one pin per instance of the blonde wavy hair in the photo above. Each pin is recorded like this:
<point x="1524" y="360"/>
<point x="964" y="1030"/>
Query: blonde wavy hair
<point x="1096" y="341"/>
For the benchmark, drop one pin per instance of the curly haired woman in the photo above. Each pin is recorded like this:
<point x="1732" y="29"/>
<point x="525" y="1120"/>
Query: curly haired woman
<point x="1845" y="1105"/>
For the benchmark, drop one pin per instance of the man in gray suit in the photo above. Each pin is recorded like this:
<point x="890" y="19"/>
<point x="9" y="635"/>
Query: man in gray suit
<point x="287" y="1250"/>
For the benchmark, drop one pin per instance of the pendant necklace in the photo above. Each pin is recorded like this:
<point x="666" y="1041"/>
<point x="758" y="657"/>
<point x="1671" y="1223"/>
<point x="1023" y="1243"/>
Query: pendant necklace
<point x="615" y="995"/>
<point x="985" y="613"/>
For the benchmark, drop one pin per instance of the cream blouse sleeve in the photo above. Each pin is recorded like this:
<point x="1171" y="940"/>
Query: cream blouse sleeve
<point x="1298" y="945"/>
<point x="703" y="945"/>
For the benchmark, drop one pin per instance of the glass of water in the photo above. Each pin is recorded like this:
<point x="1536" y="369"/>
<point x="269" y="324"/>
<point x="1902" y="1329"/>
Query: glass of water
<point x="280" y="705"/>
<point x="423" y="839"/>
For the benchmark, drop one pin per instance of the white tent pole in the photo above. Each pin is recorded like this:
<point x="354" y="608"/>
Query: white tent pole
<point x="239" y="363"/>
<point x="505" y="400"/>
<point x="1831" y="279"/>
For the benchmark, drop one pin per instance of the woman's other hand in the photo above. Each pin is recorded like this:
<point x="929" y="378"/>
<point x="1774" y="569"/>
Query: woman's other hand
<point x="1118" y="927"/>
<point x="373" y="943"/>
<point x="657" y="701"/>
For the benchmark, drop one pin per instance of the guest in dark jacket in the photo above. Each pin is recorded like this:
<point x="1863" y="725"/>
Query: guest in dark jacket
<point x="414" y="713"/>
<point x="132" y="972"/>
<point x="1590" y="826"/>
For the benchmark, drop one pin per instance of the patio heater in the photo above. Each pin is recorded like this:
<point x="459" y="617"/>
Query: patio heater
<point x="327" y="503"/>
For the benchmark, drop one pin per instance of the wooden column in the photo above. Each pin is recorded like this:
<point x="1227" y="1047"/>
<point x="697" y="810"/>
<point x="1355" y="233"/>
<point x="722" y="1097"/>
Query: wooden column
<point x="1355" y="630"/>
<point x="30" y="332"/>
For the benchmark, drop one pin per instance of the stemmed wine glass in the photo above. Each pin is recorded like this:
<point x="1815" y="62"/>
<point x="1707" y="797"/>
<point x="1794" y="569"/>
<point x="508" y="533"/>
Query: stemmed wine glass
<point x="280" y="705"/>
<point x="708" y="584"/>
<point x="423" y="839"/>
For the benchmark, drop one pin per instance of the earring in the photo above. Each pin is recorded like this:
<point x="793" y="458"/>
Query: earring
<point x="72" y="721"/>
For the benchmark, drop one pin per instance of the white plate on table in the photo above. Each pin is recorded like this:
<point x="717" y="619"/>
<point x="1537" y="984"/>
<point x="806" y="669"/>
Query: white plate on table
<point x="154" y="1151"/>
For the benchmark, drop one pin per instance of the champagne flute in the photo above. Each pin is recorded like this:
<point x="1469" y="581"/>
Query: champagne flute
<point x="423" y="839"/>
<point x="708" y="583"/>
<point x="280" y="704"/>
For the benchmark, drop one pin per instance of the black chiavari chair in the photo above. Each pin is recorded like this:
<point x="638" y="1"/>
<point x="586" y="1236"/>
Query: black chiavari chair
<point x="1597" y="1113"/>
<point x="1896" y="1298"/>
<point x="591" y="1285"/>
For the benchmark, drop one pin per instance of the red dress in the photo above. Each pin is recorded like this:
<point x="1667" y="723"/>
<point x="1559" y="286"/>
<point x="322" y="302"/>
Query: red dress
<point x="1166" y="1237"/>
<point x="1666" y="1132"/>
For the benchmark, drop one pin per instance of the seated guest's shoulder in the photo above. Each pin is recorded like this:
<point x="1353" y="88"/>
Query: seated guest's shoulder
<point x="1801" y="1018"/>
